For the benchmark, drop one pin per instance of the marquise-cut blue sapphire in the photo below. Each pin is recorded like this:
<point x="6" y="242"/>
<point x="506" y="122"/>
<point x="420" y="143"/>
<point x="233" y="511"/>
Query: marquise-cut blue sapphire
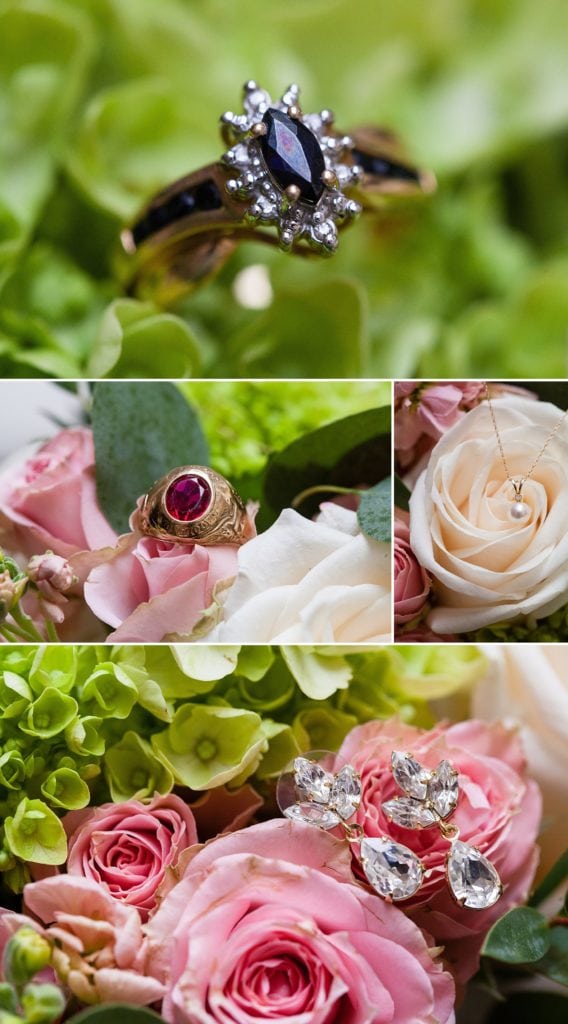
<point x="292" y="155"/>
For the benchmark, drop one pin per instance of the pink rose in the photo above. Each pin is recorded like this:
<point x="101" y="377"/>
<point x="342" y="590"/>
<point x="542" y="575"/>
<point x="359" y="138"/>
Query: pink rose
<point x="411" y="581"/>
<point x="97" y="942"/>
<point x="50" y="501"/>
<point x="127" y="847"/>
<point x="266" y="924"/>
<point x="498" y="811"/>
<point x="149" y="589"/>
<point x="424" y="411"/>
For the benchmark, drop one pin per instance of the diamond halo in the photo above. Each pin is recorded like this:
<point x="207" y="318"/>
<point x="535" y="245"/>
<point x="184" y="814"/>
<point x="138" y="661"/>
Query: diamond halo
<point x="311" y="153"/>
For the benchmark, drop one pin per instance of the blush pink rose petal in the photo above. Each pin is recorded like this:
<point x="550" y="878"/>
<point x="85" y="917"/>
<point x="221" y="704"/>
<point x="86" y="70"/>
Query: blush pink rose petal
<point x="499" y="811"/>
<point x="50" y="502"/>
<point x="127" y="847"/>
<point x="411" y="582"/>
<point x="266" y="924"/>
<point x="98" y="943"/>
<point x="150" y="588"/>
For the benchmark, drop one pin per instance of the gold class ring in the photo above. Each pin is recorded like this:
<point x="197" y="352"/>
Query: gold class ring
<point x="288" y="179"/>
<point x="194" y="505"/>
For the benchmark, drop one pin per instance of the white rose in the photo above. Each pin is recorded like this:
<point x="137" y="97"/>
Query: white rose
<point x="309" y="582"/>
<point x="528" y="686"/>
<point x="487" y="566"/>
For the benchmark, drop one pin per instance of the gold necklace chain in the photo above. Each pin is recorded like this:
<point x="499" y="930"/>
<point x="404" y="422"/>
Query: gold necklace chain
<point x="518" y="483"/>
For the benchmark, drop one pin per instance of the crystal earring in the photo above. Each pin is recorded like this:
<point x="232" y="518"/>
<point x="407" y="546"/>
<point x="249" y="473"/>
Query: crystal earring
<point x="313" y="792"/>
<point x="430" y="798"/>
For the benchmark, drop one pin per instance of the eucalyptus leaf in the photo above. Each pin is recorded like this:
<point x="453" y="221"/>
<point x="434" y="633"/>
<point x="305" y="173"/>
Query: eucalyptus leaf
<point x="141" y="431"/>
<point x="554" y="963"/>
<point x="522" y="936"/>
<point x="375" y="511"/>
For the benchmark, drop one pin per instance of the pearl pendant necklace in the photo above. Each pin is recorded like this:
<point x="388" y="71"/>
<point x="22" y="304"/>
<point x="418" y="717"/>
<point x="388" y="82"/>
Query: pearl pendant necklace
<point x="518" y="509"/>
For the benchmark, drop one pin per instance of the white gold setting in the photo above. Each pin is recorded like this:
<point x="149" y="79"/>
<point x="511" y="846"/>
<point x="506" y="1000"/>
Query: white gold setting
<point x="271" y="204"/>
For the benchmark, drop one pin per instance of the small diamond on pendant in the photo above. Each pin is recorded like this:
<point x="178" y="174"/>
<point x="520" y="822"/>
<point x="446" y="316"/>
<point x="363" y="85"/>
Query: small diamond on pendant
<point x="472" y="878"/>
<point x="393" y="870"/>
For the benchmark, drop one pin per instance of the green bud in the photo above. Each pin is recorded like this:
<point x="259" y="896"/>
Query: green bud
<point x="25" y="954"/>
<point x="8" y="997"/>
<point x="83" y="736"/>
<point x="54" y="667"/>
<point x="42" y="1004"/>
<point x="9" y="1018"/>
<point x="15" y="694"/>
<point x="7" y="860"/>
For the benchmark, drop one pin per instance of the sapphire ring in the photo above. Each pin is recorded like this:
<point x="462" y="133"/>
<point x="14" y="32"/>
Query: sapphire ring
<point x="287" y="178"/>
<point x="194" y="505"/>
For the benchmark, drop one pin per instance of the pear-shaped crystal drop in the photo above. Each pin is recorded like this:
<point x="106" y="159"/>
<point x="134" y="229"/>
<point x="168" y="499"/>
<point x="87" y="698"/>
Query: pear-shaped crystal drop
<point x="443" y="789"/>
<point x="471" y="877"/>
<point x="313" y="814"/>
<point x="409" y="813"/>
<point x="313" y="782"/>
<point x="410" y="775"/>
<point x="393" y="870"/>
<point x="346" y="792"/>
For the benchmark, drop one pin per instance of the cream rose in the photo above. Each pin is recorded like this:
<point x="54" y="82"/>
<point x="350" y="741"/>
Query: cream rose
<point x="487" y="566"/>
<point x="310" y="582"/>
<point x="528" y="687"/>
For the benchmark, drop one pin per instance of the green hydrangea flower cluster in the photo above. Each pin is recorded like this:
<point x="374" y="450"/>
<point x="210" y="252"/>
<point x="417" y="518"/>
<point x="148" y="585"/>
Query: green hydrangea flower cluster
<point x="85" y="724"/>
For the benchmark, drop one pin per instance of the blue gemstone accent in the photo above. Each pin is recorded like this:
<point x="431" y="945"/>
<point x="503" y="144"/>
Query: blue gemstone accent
<point x="381" y="167"/>
<point x="292" y="155"/>
<point x="205" y="196"/>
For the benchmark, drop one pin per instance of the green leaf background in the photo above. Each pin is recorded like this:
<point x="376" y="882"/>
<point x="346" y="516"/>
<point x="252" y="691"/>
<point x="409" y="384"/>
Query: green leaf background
<point x="102" y="103"/>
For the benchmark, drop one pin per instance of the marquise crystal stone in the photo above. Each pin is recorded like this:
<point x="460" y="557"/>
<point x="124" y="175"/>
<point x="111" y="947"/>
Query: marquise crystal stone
<point x="471" y="877"/>
<point x="411" y="776"/>
<point x="313" y="782"/>
<point x="443" y="789"/>
<point x="409" y="813"/>
<point x="313" y="814"/>
<point x="292" y="155"/>
<point x="391" y="868"/>
<point x="346" y="792"/>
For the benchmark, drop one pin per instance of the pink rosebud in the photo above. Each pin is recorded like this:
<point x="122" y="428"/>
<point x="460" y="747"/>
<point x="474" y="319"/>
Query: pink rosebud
<point x="411" y="581"/>
<point x="425" y="410"/>
<point x="51" y="569"/>
<point x="498" y="811"/>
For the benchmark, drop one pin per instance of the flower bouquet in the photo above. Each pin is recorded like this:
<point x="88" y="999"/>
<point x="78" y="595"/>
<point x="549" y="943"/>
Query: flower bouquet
<point x="480" y="543"/>
<point x="308" y="476"/>
<point x="148" y="872"/>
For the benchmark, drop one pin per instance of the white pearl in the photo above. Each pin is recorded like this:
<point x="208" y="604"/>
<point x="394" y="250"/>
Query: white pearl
<point x="519" y="510"/>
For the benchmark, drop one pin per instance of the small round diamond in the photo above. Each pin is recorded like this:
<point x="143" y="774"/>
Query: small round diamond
<point x="188" y="498"/>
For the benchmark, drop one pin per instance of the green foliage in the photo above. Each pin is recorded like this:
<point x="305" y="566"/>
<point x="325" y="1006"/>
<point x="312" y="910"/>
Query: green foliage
<point x="521" y="936"/>
<point x="141" y="431"/>
<point x="102" y="103"/>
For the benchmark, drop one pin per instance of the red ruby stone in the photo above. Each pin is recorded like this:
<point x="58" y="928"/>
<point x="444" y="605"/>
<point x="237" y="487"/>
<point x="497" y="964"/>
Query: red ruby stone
<point x="188" y="498"/>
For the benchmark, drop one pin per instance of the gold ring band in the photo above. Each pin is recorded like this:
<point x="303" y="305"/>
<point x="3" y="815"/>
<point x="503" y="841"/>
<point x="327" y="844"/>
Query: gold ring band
<point x="186" y="232"/>
<point x="194" y="505"/>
